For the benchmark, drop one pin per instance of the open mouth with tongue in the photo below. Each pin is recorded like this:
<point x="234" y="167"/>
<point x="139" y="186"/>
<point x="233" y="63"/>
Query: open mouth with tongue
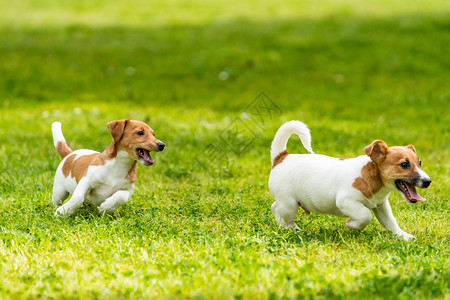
<point x="408" y="191"/>
<point x="144" y="154"/>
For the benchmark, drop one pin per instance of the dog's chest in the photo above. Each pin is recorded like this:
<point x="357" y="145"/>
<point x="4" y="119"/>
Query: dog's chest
<point x="106" y="180"/>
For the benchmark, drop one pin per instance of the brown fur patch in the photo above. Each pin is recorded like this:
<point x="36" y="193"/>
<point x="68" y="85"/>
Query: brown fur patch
<point x="370" y="181"/>
<point x="279" y="158"/>
<point x="77" y="168"/>
<point x="132" y="174"/>
<point x="63" y="149"/>
<point x="376" y="150"/>
<point x="67" y="167"/>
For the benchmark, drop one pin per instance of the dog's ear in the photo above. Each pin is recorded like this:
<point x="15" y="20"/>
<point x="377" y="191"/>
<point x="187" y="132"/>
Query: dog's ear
<point x="117" y="128"/>
<point x="411" y="147"/>
<point x="377" y="150"/>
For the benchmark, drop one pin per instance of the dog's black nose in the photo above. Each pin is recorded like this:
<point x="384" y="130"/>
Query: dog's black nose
<point x="160" y="146"/>
<point x="426" y="182"/>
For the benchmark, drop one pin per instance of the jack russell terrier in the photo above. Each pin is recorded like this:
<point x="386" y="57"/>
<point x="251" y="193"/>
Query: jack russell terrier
<point x="105" y="179"/>
<point x="343" y="187"/>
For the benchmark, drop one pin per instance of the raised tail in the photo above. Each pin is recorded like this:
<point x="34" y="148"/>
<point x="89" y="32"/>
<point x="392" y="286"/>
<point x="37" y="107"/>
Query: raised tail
<point x="282" y="136"/>
<point x="59" y="141"/>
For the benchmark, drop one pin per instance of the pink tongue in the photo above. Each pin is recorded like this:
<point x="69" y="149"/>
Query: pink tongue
<point x="413" y="193"/>
<point x="148" y="157"/>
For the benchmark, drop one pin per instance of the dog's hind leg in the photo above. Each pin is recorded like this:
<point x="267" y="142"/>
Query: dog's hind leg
<point x="285" y="212"/>
<point x="359" y="215"/>
<point x="59" y="195"/>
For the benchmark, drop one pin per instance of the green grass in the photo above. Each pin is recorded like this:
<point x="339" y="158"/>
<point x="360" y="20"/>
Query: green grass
<point x="354" y="71"/>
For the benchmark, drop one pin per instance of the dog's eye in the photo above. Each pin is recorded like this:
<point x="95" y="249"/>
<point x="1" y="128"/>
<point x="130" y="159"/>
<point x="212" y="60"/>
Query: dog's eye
<point x="404" y="165"/>
<point x="140" y="133"/>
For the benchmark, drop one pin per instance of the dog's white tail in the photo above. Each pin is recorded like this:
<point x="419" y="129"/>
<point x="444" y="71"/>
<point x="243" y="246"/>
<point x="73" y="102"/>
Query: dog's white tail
<point x="282" y="136"/>
<point x="59" y="141"/>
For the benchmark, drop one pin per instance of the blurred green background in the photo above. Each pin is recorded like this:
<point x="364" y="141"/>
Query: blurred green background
<point x="165" y="53"/>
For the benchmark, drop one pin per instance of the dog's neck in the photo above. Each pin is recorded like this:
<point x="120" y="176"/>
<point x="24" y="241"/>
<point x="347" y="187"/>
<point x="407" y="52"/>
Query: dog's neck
<point x="381" y="188"/>
<point x="370" y="183"/>
<point x="113" y="152"/>
<point x="121" y="160"/>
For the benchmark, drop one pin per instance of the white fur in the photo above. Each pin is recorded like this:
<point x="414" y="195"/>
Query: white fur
<point x="57" y="133"/>
<point x="282" y="136"/>
<point x="323" y="184"/>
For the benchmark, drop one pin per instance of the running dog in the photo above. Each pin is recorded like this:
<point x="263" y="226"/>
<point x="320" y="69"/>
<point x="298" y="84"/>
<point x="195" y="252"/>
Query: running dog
<point x="105" y="179"/>
<point x="343" y="187"/>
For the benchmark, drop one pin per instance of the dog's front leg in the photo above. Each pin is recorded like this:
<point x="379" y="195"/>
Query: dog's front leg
<point x="76" y="200"/>
<point x="113" y="202"/>
<point x="386" y="218"/>
<point x="359" y="215"/>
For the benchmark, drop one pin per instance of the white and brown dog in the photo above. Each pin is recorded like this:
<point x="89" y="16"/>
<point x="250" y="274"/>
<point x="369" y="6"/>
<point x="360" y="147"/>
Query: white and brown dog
<point x="343" y="187"/>
<point x="105" y="179"/>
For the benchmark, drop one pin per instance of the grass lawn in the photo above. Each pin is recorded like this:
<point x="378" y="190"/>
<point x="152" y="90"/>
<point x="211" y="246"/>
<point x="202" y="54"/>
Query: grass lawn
<point x="199" y="224"/>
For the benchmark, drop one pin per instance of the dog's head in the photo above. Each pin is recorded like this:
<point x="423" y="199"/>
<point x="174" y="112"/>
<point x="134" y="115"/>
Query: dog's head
<point x="136" y="138"/>
<point x="400" y="167"/>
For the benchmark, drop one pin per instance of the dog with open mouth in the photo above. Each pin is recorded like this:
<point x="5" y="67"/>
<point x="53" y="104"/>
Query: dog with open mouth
<point x="350" y="187"/>
<point x="105" y="179"/>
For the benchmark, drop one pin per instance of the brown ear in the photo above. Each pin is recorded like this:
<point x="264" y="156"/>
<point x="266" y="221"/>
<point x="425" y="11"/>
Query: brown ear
<point x="411" y="147"/>
<point x="377" y="150"/>
<point x="116" y="128"/>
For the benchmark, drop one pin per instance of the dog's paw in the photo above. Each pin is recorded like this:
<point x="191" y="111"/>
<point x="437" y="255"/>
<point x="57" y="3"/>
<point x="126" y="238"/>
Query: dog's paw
<point x="295" y="227"/>
<point x="57" y="204"/>
<point x="407" y="237"/>
<point x="353" y="225"/>
<point x="62" y="212"/>
<point x="104" y="210"/>
<point x="101" y="210"/>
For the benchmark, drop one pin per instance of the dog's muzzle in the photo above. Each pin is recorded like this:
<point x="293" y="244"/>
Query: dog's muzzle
<point x="160" y="145"/>
<point x="408" y="187"/>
